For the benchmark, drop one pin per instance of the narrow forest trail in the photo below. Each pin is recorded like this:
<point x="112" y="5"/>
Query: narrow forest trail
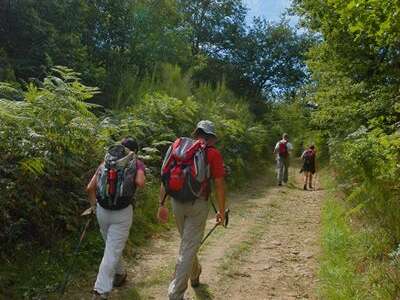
<point x="269" y="251"/>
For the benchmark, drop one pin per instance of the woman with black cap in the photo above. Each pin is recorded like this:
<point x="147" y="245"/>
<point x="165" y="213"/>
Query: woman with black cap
<point x="111" y="192"/>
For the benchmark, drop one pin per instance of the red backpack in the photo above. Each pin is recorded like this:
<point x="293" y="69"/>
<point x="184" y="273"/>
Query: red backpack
<point x="185" y="170"/>
<point x="283" y="151"/>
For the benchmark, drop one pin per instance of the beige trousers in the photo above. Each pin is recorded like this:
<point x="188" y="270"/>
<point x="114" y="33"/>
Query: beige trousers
<point x="190" y="219"/>
<point x="283" y="169"/>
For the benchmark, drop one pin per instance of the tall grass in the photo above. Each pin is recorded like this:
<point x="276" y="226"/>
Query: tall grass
<point x="356" y="262"/>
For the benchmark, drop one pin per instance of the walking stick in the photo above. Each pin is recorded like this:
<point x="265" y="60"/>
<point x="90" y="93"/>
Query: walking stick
<point x="87" y="212"/>
<point x="226" y="222"/>
<point x="213" y="205"/>
<point x="208" y="234"/>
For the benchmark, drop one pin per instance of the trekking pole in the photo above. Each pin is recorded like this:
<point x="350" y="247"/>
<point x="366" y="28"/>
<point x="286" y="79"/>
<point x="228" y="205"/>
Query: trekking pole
<point x="226" y="222"/>
<point x="87" y="212"/>
<point x="208" y="234"/>
<point x="213" y="205"/>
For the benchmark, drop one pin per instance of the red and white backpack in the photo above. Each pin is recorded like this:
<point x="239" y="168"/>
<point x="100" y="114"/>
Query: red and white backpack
<point x="185" y="171"/>
<point x="282" y="149"/>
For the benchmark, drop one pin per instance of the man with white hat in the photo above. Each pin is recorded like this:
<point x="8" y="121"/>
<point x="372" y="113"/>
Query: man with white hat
<point x="191" y="215"/>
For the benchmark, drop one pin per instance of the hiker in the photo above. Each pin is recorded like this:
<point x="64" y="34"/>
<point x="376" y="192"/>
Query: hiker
<point x="198" y="161"/>
<point x="111" y="194"/>
<point x="282" y="151"/>
<point x="308" y="167"/>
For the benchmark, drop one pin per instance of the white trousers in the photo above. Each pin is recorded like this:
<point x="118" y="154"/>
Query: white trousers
<point x="114" y="227"/>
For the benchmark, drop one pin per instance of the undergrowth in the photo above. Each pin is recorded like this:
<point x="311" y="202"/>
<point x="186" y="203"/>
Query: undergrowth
<point x="357" y="260"/>
<point x="53" y="139"/>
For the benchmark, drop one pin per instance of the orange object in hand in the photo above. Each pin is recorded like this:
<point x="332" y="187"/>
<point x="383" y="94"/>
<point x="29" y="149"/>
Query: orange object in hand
<point x="163" y="214"/>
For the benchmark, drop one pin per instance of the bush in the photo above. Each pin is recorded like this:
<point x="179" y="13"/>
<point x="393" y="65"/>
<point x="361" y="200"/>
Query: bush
<point x="367" y="162"/>
<point x="47" y="148"/>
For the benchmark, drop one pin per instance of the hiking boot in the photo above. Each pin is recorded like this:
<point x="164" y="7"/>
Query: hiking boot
<point x="120" y="279"/>
<point x="98" y="296"/>
<point x="310" y="187"/>
<point x="195" y="282"/>
<point x="305" y="187"/>
<point x="280" y="183"/>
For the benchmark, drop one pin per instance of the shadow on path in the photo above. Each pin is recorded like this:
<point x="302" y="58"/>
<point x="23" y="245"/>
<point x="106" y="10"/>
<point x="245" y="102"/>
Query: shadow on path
<point x="203" y="292"/>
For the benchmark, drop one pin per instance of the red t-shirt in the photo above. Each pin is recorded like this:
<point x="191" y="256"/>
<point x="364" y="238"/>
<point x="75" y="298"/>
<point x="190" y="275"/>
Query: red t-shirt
<point x="216" y="163"/>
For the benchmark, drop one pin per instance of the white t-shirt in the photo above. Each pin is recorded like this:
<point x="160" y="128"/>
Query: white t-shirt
<point x="289" y="146"/>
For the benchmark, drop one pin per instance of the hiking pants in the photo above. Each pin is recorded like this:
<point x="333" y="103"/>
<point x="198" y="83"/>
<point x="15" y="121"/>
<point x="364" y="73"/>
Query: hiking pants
<point x="114" y="227"/>
<point x="282" y="167"/>
<point x="191" y="219"/>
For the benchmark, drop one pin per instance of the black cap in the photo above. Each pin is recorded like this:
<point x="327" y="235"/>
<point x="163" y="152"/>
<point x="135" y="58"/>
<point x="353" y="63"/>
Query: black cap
<point x="130" y="143"/>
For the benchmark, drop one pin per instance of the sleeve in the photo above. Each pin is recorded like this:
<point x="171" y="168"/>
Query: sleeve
<point x="302" y="155"/>
<point x="93" y="180"/>
<point x="277" y="146"/>
<point x="290" y="146"/>
<point x="140" y="166"/>
<point x="216" y="163"/>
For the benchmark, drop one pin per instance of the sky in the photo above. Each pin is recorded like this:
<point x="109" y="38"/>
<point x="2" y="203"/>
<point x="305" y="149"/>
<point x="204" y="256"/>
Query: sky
<point x="268" y="9"/>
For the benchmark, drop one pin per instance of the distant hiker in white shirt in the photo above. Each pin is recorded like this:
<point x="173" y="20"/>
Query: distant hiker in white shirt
<point x="282" y="150"/>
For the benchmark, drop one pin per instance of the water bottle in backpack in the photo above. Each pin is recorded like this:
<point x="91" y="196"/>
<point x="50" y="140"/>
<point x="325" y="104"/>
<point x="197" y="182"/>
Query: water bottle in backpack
<point x="116" y="179"/>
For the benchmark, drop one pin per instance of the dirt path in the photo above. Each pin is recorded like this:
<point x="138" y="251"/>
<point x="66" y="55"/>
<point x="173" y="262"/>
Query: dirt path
<point x="269" y="250"/>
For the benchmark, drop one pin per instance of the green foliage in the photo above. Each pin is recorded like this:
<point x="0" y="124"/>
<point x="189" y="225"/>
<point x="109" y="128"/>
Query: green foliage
<point x="158" y="118"/>
<point x="52" y="142"/>
<point x="362" y="34"/>
<point x="116" y="45"/>
<point x="52" y="139"/>
<point x="357" y="112"/>
<point x="104" y="40"/>
<point x="213" y="25"/>
<point x="355" y="262"/>
<point x="356" y="84"/>
<point x="46" y="145"/>
<point x="292" y="118"/>
<point x="368" y="164"/>
<point x="273" y="58"/>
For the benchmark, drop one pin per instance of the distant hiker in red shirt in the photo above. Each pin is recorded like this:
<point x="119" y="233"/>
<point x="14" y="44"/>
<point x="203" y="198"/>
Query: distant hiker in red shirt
<point x="111" y="194"/>
<point x="187" y="170"/>
<point x="308" y="168"/>
<point x="282" y="151"/>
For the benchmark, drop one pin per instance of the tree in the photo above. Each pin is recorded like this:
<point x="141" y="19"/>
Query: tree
<point x="356" y="65"/>
<point x="108" y="42"/>
<point x="272" y="57"/>
<point x="364" y="34"/>
<point x="214" y="25"/>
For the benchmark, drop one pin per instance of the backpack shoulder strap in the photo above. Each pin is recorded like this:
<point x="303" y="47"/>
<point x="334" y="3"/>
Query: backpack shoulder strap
<point x="208" y="172"/>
